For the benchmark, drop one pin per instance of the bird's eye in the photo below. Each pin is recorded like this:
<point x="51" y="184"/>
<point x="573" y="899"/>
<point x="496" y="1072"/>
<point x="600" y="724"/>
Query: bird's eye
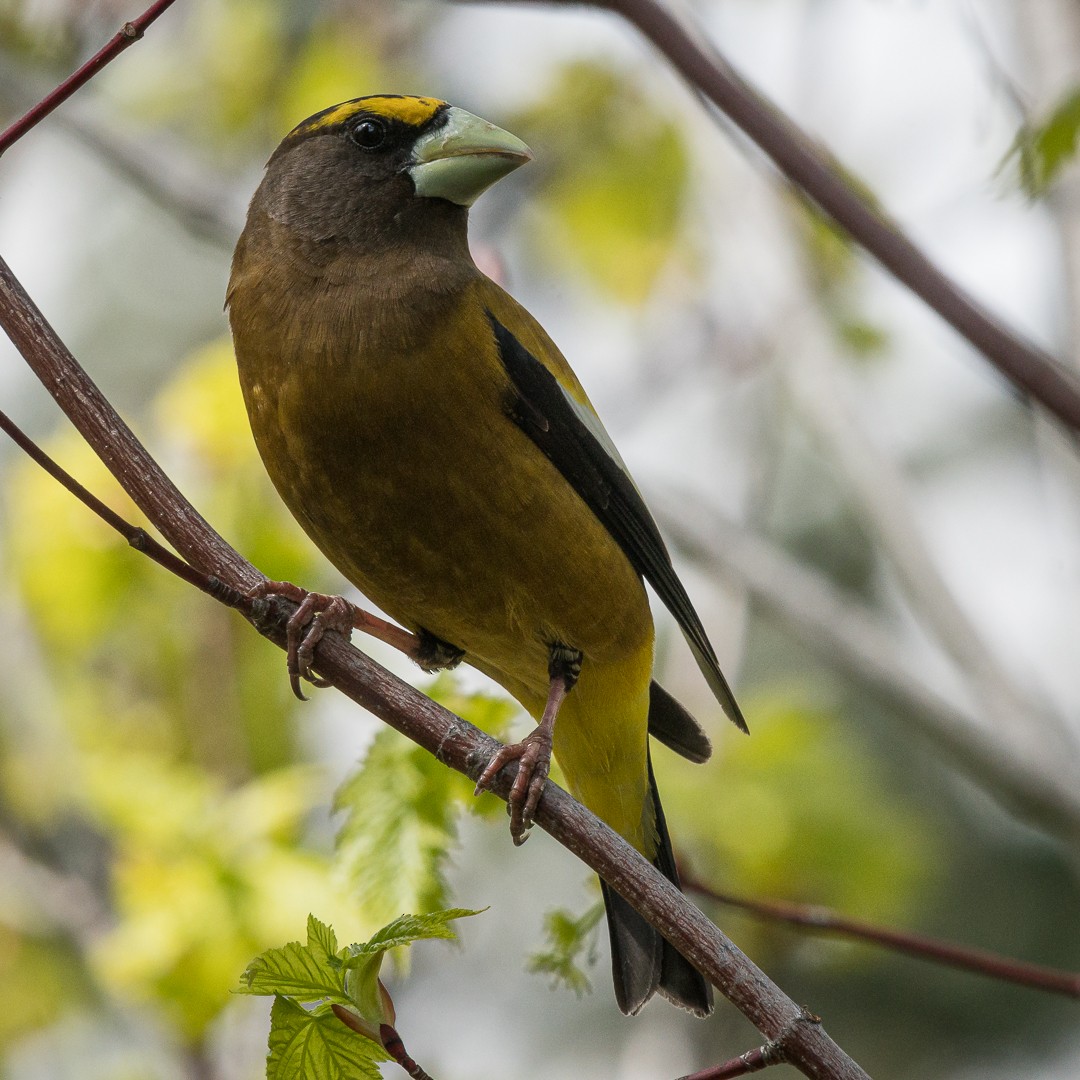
<point x="369" y="134"/>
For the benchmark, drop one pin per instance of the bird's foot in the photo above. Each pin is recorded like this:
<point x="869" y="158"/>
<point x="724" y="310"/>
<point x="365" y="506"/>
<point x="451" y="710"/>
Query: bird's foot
<point x="319" y="612"/>
<point x="315" y="615"/>
<point x="533" y="753"/>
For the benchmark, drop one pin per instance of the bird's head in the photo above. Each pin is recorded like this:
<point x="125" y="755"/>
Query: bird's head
<point x="360" y="169"/>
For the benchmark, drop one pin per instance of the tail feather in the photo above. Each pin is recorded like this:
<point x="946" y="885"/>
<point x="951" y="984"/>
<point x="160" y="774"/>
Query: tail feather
<point x="642" y="961"/>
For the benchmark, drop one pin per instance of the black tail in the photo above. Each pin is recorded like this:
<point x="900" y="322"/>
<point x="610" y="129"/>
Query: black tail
<point x="642" y="962"/>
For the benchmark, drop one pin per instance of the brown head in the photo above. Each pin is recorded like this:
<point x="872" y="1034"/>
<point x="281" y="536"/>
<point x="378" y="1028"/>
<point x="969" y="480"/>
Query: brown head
<point x="378" y="171"/>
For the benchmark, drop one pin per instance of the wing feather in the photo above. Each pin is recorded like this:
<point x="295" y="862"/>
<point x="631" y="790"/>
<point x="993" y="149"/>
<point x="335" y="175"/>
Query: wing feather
<point x="553" y="420"/>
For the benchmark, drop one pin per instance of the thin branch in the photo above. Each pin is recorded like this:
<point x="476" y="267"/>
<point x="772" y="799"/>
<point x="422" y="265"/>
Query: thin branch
<point x="884" y="499"/>
<point x="128" y="34"/>
<point x="814" y="171"/>
<point x="114" y="442"/>
<point x="822" y="920"/>
<point x="451" y="740"/>
<point x="136" y="536"/>
<point x="751" y="1062"/>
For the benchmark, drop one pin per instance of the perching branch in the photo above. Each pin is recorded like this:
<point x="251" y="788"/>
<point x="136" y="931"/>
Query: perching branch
<point x="449" y="738"/>
<point x="811" y="169"/>
<point x="822" y="920"/>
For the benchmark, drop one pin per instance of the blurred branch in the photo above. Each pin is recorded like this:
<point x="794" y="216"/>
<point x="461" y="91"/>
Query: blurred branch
<point x="53" y="900"/>
<point x="813" y="170"/>
<point x="453" y="741"/>
<point x="169" y="179"/>
<point x="821" y="920"/>
<point x="844" y="633"/>
<point x="886" y="503"/>
<point x="128" y="34"/>
<point x="1049" y="33"/>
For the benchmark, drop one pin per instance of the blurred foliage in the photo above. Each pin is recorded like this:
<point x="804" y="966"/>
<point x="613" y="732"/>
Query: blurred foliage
<point x="571" y="947"/>
<point x="1043" y="148"/>
<point x="400" y="811"/>
<point x="832" y="262"/>
<point x="614" y="176"/>
<point x="805" y="812"/>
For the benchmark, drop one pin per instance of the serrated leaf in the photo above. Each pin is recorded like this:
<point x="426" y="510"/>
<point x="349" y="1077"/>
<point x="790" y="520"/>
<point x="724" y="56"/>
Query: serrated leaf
<point x="321" y="938"/>
<point x="409" y="928"/>
<point x="571" y="943"/>
<point x="308" y="1045"/>
<point x="296" y="971"/>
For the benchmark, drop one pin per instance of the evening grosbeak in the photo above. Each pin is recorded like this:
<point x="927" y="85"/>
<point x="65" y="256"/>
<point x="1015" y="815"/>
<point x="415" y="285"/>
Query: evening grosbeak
<point x="434" y="443"/>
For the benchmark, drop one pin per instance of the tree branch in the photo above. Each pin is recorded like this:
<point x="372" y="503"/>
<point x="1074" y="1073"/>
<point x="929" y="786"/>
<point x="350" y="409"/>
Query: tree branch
<point x="1030" y="368"/>
<point x="822" y="920"/>
<point x="751" y="1062"/>
<point x="453" y="741"/>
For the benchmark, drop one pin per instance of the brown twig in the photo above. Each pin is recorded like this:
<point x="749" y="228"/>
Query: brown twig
<point x="136" y="536"/>
<point x="822" y="920"/>
<point x="813" y="171"/>
<point x="449" y="738"/>
<point x="751" y="1062"/>
<point x="128" y="34"/>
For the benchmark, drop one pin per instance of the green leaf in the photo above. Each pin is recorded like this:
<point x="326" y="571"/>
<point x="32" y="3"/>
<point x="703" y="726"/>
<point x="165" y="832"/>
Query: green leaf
<point x="297" y="971"/>
<point x="321" y="938"/>
<point x="409" y="928"/>
<point x="306" y="1045"/>
<point x="571" y="942"/>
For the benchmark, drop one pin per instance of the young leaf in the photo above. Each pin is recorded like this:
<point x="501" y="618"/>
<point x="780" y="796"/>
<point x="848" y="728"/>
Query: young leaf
<point x="321" y="937"/>
<point x="318" y="1046"/>
<point x="407" y="929"/>
<point x="400" y="811"/>
<point x="300" y="971"/>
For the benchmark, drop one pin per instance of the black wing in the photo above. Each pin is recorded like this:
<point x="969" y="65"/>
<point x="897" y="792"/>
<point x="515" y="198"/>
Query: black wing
<point x="557" y="424"/>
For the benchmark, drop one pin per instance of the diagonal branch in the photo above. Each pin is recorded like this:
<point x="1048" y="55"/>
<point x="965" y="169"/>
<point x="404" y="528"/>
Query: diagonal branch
<point x="1030" y="368"/>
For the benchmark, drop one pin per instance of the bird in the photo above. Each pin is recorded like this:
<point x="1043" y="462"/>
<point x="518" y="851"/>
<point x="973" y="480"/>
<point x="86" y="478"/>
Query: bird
<point x="435" y="445"/>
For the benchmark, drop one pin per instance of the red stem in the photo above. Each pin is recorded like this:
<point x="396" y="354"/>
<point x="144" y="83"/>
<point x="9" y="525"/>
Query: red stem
<point x="128" y="34"/>
<point x="751" y="1062"/>
<point x="1033" y="976"/>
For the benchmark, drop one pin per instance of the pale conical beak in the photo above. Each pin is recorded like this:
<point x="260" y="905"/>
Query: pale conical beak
<point x="464" y="157"/>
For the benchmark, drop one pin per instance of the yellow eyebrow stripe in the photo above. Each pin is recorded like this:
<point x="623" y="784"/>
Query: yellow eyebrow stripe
<point x="413" y="111"/>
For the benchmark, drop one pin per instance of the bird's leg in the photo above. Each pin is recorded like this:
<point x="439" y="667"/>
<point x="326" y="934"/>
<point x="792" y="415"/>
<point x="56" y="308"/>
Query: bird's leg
<point x="533" y="753"/>
<point x="319" y="612"/>
<point x="434" y="654"/>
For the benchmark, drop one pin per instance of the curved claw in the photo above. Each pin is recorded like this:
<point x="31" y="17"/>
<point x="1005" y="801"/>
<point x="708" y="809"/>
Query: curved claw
<point x="315" y="614"/>
<point x="533" y="755"/>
